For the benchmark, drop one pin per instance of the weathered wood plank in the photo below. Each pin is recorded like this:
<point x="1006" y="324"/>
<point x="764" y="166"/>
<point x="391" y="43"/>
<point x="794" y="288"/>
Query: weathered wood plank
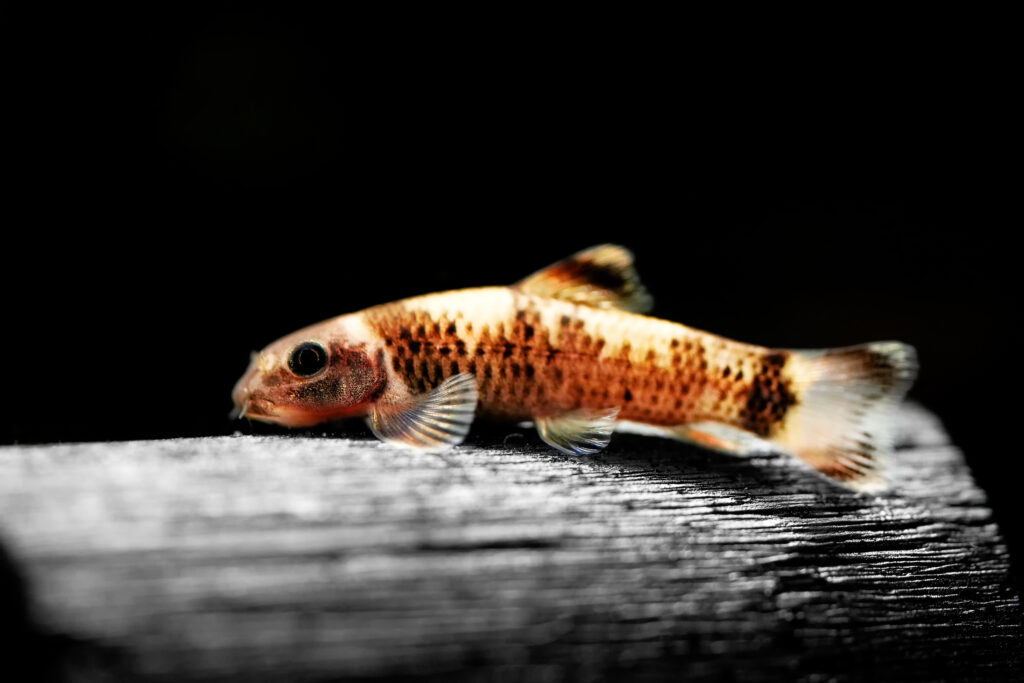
<point x="308" y="558"/>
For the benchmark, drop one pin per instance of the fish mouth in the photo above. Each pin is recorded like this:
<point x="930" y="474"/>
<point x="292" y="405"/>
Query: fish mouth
<point x="257" y="408"/>
<point x="265" y="410"/>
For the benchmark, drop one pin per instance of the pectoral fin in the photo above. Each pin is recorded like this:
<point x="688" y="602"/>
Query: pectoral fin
<point x="433" y="421"/>
<point x="580" y="432"/>
<point x="601" y="276"/>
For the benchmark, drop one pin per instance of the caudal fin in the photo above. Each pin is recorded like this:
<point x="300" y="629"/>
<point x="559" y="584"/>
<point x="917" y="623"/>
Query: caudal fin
<point x="842" y="423"/>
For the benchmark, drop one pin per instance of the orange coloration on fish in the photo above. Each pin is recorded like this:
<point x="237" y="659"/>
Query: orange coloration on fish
<point x="569" y="349"/>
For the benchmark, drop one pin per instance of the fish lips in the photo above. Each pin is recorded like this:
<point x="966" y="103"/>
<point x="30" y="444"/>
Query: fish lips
<point x="257" y="407"/>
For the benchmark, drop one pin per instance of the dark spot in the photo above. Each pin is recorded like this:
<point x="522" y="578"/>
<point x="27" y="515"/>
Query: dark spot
<point x="509" y="348"/>
<point x="565" y="321"/>
<point x="460" y="346"/>
<point x="514" y="367"/>
<point x="388" y="342"/>
<point x="687" y="346"/>
<point x="487" y="371"/>
<point x="604" y="276"/>
<point x="404" y="333"/>
<point x="675" y="343"/>
<point x="421" y="331"/>
<point x="410" y="367"/>
<point x="627" y="396"/>
<point x="451" y="329"/>
<point x="528" y="332"/>
<point x="529" y="370"/>
<point x="414" y="347"/>
<point x="480" y="351"/>
<point x="424" y="370"/>
<point x="727" y="371"/>
<point x="396" y="364"/>
<point x="444" y="351"/>
<point x="437" y="329"/>
<point x="558" y="374"/>
<point x="520" y="315"/>
<point x="471" y="368"/>
<point x="739" y="375"/>
<point x="455" y="367"/>
<point x="768" y="397"/>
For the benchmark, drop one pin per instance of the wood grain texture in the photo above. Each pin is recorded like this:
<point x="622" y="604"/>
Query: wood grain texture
<point x="309" y="559"/>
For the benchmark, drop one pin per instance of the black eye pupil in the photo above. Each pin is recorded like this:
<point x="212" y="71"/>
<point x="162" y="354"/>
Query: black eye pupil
<point x="307" y="359"/>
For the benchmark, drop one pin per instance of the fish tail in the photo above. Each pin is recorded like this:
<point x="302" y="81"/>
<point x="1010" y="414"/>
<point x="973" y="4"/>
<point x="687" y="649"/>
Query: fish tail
<point x="842" y="421"/>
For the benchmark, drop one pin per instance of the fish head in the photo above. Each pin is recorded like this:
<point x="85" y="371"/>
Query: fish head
<point x="315" y="375"/>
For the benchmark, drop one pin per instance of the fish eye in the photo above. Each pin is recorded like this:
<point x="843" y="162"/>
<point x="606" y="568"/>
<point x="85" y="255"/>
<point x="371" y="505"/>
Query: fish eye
<point x="307" y="359"/>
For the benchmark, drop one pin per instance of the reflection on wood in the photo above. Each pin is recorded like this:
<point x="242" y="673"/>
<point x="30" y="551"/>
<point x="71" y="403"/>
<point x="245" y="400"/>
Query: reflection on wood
<point x="309" y="558"/>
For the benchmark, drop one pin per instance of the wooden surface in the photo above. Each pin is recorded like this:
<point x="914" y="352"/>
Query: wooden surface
<point x="298" y="558"/>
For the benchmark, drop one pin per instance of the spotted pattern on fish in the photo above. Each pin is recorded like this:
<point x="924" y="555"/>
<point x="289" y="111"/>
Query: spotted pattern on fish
<point x="531" y="364"/>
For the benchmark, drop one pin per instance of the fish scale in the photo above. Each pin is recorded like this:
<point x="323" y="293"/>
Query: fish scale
<point x="536" y="356"/>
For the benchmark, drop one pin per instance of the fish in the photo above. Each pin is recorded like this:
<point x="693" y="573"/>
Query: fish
<point x="571" y="349"/>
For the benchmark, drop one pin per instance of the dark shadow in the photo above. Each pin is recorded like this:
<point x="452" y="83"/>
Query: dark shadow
<point x="35" y="655"/>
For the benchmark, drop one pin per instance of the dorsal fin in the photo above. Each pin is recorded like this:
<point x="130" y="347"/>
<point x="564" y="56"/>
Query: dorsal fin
<point x="602" y="276"/>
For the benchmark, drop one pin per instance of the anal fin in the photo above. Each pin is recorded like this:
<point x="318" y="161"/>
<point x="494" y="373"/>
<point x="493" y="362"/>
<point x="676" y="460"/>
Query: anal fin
<point x="579" y="432"/>
<point x="433" y="421"/>
<point x="721" y="437"/>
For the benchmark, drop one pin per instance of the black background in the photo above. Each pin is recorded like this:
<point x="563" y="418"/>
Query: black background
<point x="185" y="187"/>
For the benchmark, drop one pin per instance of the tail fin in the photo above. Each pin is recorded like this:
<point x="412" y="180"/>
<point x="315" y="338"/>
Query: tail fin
<point x="842" y="425"/>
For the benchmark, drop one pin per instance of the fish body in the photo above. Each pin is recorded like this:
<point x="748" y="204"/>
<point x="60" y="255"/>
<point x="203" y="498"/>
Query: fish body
<point x="568" y="349"/>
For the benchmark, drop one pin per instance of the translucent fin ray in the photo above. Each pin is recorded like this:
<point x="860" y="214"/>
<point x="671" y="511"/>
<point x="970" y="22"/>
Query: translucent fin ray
<point x="721" y="437"/>
<point x="579" y="432"/>
<point x="848" y="397"/>
<point x="436" y="420"/>
<point x="602" y="276"/>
